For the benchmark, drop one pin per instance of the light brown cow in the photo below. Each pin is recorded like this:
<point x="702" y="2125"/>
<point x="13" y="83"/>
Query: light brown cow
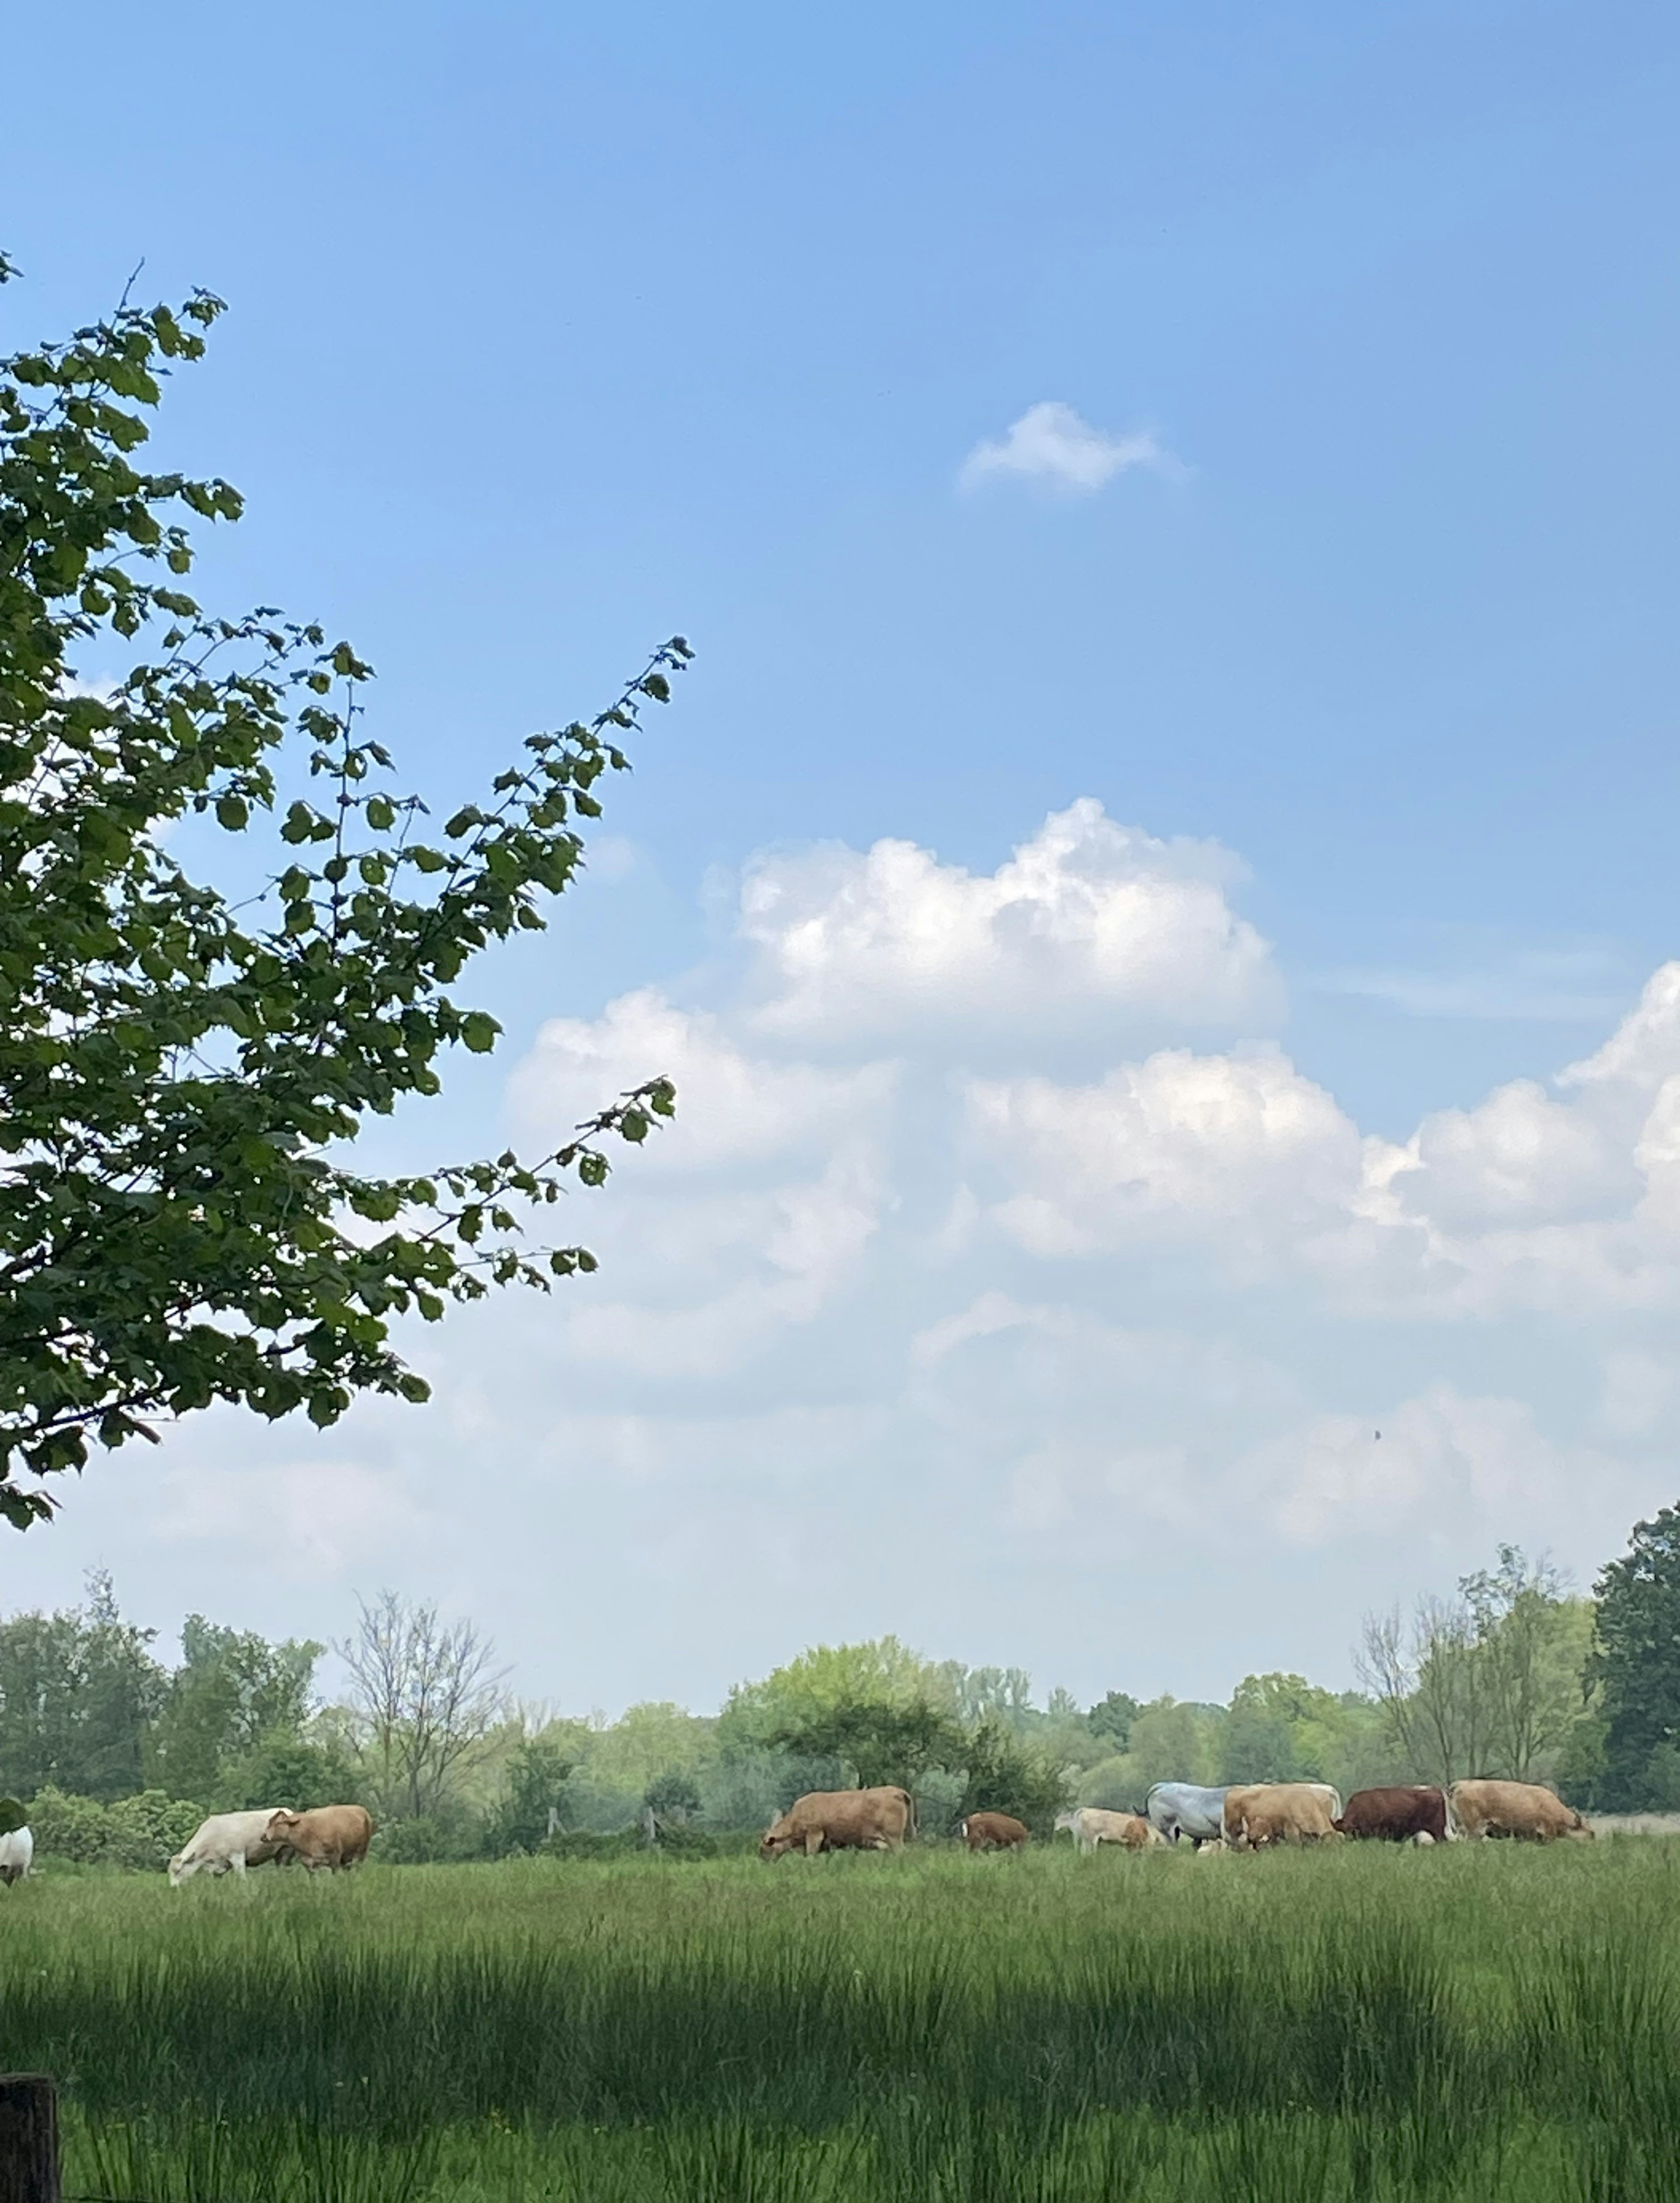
<point x="994" y="1832"/>
<point x="1090" y="1825"/>
<point x="1261" y="1814"/>
<point x="842" y="1820"/>
<point x="1521" y="1810"/>
<point x="329" y="1836"/>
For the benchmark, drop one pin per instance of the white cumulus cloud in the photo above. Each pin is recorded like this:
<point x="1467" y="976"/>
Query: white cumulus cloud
<point x="1051" y="444"/>
<point x="1086" y="918"/>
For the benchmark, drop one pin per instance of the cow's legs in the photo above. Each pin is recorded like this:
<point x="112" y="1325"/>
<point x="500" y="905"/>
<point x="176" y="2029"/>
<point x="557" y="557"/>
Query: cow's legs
<point x="813" y="1842"/>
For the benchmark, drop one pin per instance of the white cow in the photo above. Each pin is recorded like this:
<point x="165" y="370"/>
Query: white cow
<point x="225" y="1840"/>
<point x="17" y="1856"/>
<point x="1090" y="1825"/>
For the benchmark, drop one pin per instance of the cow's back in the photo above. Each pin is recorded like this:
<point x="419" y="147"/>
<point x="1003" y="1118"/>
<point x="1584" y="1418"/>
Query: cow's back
<point x="847" y="1820"/>
<point x="223" y="1833"/>
<point x="995" y="1832"/>
<point x="1279" y="1812"/>
<point x="1396" y="1814"/>
<point x="331" y="1835"/>
<point x="1521" y="1810"/>
<point x="1190" y="1809"/>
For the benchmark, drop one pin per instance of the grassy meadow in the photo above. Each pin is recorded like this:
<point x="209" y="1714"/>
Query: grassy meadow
<point x="1481" y="2022"/>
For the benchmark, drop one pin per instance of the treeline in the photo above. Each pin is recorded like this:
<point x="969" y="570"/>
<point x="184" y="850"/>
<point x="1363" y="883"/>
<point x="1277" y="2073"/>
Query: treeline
<point x="117" y="1754"/>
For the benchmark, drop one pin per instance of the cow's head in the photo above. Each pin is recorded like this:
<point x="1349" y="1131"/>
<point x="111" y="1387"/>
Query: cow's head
<point x="179" y="1867"/>
<point x="774" y="1842"/>
<point x="281" y="1826"/>
<point x="1578" y="1828"/>
<point x="1066" y="1821"/>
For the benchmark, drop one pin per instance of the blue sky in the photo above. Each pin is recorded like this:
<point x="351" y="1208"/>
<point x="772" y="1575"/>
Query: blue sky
<point x="554" y="332"/>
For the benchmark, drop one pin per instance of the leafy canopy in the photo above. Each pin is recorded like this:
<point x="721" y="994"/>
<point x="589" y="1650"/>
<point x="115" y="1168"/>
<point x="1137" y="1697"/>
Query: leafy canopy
<point x="179" y="1073"/>
<point x="1636" y="1660"/>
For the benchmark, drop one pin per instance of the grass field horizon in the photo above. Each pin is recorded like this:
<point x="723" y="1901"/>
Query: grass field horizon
<point x="1483" y="2020"/>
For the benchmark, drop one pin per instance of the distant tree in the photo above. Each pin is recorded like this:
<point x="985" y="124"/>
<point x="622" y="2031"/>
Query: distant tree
<point x="974" y="1694"/>
<point x="530" y="1812"/>
<point x="673" y="1796"/>
<point x="79" y="1690"/>
<point x="287" y="1768"/>
<point x="875" y="1740"/>
<point x="1004" y="1774"/>
<point x="1110" y="1720"/>
<point x="1635" y="1663"/>
<point x="880" y="1709"/>
<point x="427" y="1693"/>
<point x="180" y="1071"/>
<point x="1174" y="1741"/>
<point x="1488" y="1682"/>
<point x="233" y="1690"/>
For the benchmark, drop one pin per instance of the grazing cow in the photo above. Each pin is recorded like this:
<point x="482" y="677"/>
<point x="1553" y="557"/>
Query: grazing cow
<point x="1186" y="1809"/>
<point x="876" y="1820"/>
<point x="994" y="1832"/>
<point x="1519" y="1810"/>
<point x="225" y="1840"/>
<point x="1261" y="1814"/>
<point x="1405" y="1814"/>
<point x="1089" y="1826"/>
<point x="17" y="1854"/>
<point x="329" y="1836"/>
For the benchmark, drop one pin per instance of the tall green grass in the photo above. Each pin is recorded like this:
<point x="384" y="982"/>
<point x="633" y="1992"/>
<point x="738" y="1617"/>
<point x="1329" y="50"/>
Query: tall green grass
<point x="1482" y="2021"/>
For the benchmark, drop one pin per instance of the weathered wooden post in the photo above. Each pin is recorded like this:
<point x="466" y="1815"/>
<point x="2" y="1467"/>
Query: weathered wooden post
<point x="28" y="2138"/>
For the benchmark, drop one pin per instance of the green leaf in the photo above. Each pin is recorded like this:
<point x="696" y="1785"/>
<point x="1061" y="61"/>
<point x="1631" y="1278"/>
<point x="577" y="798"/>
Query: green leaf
<point x="479" y="1032"/>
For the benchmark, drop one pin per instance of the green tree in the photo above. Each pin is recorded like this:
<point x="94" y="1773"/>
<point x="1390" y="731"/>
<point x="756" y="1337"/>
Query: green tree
<point x="1635" y="1663"/>
<point x="287" y="1768"/>
<point x="882" y="1710"/>
<point x="233" y="1690"/>
<point x="1005" y="1775"/>
<point x="79" y="1690"/>
<point x="530" y="1812"/>
<point x="179" y="1071"/>
<point x="1174" y="1741"/>
<point x="1110" y="1720"/>
<point x="1491" y="1681"/>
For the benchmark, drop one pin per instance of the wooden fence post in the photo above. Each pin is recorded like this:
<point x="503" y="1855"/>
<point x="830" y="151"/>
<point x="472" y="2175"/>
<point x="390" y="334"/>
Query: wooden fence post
<point x="28" y="2138"/>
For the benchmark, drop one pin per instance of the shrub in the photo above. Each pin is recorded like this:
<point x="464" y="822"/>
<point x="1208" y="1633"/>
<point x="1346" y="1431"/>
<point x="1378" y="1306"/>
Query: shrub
<point x="145" y="1833"/>
<point x="67" y="1826"/>
<point x="142" y="1833"/>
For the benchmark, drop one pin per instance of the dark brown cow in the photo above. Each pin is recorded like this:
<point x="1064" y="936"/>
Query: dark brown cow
<point x="1403" y="1814"/>
<point x="995" y="1832"/>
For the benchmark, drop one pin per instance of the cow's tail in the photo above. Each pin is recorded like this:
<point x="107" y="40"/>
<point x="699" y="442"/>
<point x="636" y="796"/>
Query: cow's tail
<point x="910" y="1819"/>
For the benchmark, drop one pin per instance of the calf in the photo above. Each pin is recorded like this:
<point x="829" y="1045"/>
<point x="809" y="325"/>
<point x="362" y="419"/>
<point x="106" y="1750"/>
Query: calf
<point x="994" y="1832"/>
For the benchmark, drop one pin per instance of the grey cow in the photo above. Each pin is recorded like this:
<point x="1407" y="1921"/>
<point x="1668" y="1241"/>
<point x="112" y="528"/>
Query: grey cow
<point x="1186" y="1809"/>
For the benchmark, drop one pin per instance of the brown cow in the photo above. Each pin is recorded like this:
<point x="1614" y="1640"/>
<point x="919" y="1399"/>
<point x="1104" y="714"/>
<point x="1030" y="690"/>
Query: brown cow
<point x="994" y="1832"/>
<point x="842" y="1820"/>
<point x="1406" y="1813"/>
<point x="1519" y="1810"/>
<point x="330" y="1836"/>
<point x="1260" y="1814"/>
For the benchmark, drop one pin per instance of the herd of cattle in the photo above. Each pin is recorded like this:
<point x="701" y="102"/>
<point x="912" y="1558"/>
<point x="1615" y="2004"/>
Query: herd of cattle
<point x="1242" y="1817"/>
<point x="328" y="1838"/>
